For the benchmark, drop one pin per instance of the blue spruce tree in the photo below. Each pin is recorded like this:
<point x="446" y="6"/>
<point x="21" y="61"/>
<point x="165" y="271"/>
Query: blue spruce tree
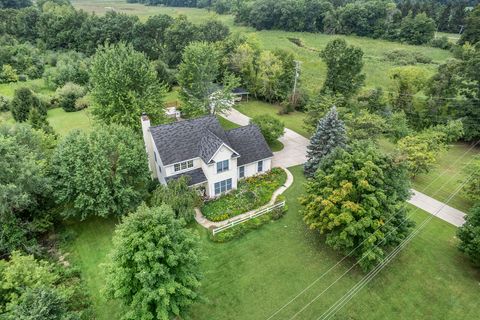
<point x="330" y="134"/>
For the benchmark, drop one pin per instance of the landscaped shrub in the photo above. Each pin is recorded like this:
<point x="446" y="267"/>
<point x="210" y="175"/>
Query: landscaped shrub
<point x="4" y="104"/>
<point x="68" y="95"/>
<point x="241" y="229"/>
<point x="251" y="193"/>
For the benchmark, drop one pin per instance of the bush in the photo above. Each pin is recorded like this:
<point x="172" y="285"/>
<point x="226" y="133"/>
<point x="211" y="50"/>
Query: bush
<point x="8" y="74"/>
<point x="82" y="103"/>
<point x="68" y="95"/>
<point x="251" y="193"/>
<point x="22" y="78"/>
<point x="4" y="104"/>
<point x="23" y="101"/>
<point x="271" y="128"/>
<point x="404" y="57"/>
<point x="441" y="43"/>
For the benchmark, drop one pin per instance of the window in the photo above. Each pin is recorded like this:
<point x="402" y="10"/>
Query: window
<point x="155" y="155"/>
<point x="241" y="171"/>
<point x="223" y="186"/>
<point x="183" y="165"/>
<point x="260" y="166"/>
<point x="159" y="168"/>
<point x="222" y="166"/>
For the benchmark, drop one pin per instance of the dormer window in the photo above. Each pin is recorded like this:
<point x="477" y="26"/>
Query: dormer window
<point x="222" y="166"/>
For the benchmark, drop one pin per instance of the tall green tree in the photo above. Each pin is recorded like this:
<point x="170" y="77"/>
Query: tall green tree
<point x="196" y="75"/>
<point x="330" y="134"/>
<point x="179" y="196"/>
<point x="154" y="267"/>
<point x="472" y="187"/>
<point x="469" y="235"/>
<point x="23" y="101"/>
<point x="365" y="126"/>
<point x="25" y="187"/>
<point x="357" y="200"/>
<point x="125" y="84"/>
<point x="417" y="30"/>
<point x="472" y="27"/>
<point x="100" y="173"/>
<point x="344" y="68"/>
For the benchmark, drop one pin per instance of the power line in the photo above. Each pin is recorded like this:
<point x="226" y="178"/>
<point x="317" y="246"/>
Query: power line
<point x="352" y="251"/>
<point x="367" y="278"/>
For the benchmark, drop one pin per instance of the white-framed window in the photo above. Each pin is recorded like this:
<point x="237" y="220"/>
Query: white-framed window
<point x="222" y="166"/>
<point x="260" y="166"/>
<point x="155" y="156"/>
<point x="241" y="171"/>
<point x="183" y="165"/>
<point x="223" y="186"/>
<point x="159" y="168"/>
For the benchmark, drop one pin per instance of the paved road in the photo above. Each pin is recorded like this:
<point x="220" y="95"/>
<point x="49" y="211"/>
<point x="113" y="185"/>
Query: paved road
<point x="295" y="145"/>
<point x="435" y="207"/>
<point x="294" y="153"/>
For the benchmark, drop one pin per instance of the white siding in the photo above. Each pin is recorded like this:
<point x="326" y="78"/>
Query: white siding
<point x="210" y="170"/>
<point x="170" y="169"/>
<point x="251" y="168"/>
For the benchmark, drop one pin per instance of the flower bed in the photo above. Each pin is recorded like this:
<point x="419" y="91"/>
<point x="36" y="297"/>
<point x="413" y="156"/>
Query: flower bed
<point x="251" y="193"/>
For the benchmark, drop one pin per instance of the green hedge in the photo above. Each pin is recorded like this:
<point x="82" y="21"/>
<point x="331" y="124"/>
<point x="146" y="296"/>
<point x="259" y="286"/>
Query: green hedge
<point x="251" y="193"/>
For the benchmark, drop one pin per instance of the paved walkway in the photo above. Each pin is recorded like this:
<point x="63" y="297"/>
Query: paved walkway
<point x="435" y="207"/>
<point x="295" y="145"/>
<point x="210" y="224"/>
<point x="294" y="153"/>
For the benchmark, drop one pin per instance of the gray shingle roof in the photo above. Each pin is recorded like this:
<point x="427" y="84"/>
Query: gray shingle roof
<point x="248" y="141"/>
<point x="201" y="137"/>
<point x="194" y="176"/>
<point x="180" y="141"/>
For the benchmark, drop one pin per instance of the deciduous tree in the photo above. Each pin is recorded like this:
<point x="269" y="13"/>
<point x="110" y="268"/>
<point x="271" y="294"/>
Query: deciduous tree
<point x="469" y="235"/>
<point x="271" y="127"/>
<point x="154" y="267"/>
<point x="357" y="199"/>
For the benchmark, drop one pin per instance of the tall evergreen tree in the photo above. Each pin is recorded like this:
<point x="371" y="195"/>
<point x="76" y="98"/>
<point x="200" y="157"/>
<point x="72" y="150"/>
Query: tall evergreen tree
<point x="329" y="135"/>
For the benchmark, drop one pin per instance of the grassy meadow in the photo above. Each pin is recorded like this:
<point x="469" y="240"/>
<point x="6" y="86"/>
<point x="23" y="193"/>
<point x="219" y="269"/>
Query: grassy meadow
<point x="252" y="277"/>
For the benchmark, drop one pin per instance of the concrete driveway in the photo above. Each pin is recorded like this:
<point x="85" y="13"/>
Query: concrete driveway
<point x="295" y="145"/>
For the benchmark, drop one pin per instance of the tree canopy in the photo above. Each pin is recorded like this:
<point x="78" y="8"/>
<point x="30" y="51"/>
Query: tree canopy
<point x="154" y="267"/>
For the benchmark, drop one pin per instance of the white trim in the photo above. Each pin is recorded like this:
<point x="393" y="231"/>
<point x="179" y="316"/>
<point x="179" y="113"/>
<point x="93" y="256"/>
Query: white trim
<point x="223" y="144"/>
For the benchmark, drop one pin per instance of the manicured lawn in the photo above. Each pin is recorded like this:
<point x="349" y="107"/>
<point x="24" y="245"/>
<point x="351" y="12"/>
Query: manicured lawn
<point x="251" y="277"/>
<point x="37" y="85"/>
<point x="276" y="146"/>
<point x="293" y="120"/>
<point x="63" y="122"/>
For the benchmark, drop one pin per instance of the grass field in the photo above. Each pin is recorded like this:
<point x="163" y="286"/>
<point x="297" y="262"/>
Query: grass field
<point x="293" y="120"/>
<point x="250" y="278"/>
<point x="63" y="122"/>
<point x="312" y="67"/>
<point x="37" y="85"/>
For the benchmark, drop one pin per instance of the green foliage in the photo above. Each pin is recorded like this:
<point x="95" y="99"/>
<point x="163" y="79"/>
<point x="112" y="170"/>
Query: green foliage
<point x="472" y="187"/>
<point x="271" y="127"/>
<point x="100" y="173"/>
<point x="196" y="75"/>
<point x="251" y="193"/>
<point x="4" y="104"/>
<point x="244" y="228"/>
<point x="124" y="84"/>
<point x="36" y="289"/>
<point x="318" y="106"/>
<point x="154" y="267"/>
<point x="365" y="126"/>
<point x="344" y="68"/>
<point x="330" y="134"/>
<point x="417" y="30"/>
<point x="469" y="235"/>
<point x="23" y="101"/>
<point x="357" y="199"/>
<point x="25" y="188"/>
<point x="8" y="74"/>
<point x="69" y="67"/>
<point x="397" y="126"/>
<point x="179" y="196"/>
<point x="68" y="96"/>
<point x="39" y="121"/>
<point x="404" y="57"/>
<point x="441" y="42"/>
<point x="472" y="27"/>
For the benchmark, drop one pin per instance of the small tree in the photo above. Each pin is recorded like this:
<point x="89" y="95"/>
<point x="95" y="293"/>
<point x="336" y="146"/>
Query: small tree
<point x="418" y="154"/>
<point x="178" y="195"/>
<point x="154" y="267"/>
<point x="125" y="85"/>
<point x="271" y="127"/>
<point x="100" y="173"/>
<point x="68" y="95"/>
<point x="8" y="74"/>
<point x="365" y="126"/>
<point x="344" y="68"/>
<point x="357" y="199"/>
<point x="417" y="30"/>
<point x="23" y="101"/>
<point x="330" y="134"/>
<point x="469" y="235"/>
<point x="39" y="121"/>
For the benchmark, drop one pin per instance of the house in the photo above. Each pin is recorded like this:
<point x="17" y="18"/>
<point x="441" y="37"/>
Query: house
<point x="212" y="158"/>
